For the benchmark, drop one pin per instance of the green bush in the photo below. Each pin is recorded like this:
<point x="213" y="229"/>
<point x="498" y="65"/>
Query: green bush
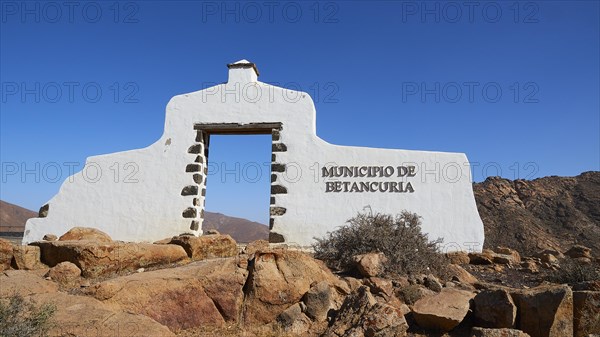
<point x="399" y="238"/>
<point x="19" y="317"/>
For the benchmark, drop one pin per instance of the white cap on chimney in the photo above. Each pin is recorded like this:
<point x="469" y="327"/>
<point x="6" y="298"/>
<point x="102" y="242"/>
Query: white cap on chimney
<point x="242" y="71"/>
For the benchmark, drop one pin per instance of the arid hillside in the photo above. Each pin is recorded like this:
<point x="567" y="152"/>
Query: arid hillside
<point x="545" y="213"/>
<point x="13" y="217"/>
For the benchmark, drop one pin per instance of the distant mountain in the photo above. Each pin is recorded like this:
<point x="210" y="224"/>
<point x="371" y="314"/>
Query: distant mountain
<point x="545" y="213"/>
<point x="241" y="230"/>
<point x="13" y="217"/>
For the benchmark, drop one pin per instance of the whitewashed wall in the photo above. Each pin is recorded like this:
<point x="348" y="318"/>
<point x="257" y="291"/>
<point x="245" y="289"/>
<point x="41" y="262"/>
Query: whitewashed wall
<point x="148" y="206"/>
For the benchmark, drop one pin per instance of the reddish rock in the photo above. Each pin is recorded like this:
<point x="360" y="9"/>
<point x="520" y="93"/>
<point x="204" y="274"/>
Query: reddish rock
<point x="578" y="251"/>
<point x="278" y="279"/>
<point x="586" y="313"/>
<point x="457" y="273"/>
<point x="85" y="316"/>
<point x="370" y="264"/>
<point x="318" y="300"/>
<point x="84" y="233"/>
<point x="483" y="332"/>
<point x="458" y="257"/>
<point x="6" y="254"/>
<point x="64" y="273"/>
<point x="361" y="315"/>
<point x="255" y="246"/>
<point x="510" y="254"/>
<point x="494" y="309"/>
<point x="207" y="246"/>
<point x="545" y="311"/>
<point x="199" y="294"/>
<point x="443" y="311"/>
<point x="26" y="258"/>
<point x="485" y="257"/>
<point x="25" y="283"/>
<point x="95" y="258"/>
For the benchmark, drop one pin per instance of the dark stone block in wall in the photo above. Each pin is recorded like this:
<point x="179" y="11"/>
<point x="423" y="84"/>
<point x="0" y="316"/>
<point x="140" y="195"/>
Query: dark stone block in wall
<point x="195" y="225"/>
<point x="198" y="178"/>
<point x="276" y="238"/>
<point x="271" y="223"/>
<point x="199" y="159"/>
<point x="199" y="137"/>
<point x="204" y="192"/>
<point x="278" y="189"/>
<point x="272" y="200"/>
<point x="189" y="212"/>
<point x="277" y="167"/>
<point x="273" y="157"/>
<point x="190" y="190"/>
<point x="273" y="178"/>
<point x="277" y="211"/>
<point x="44" y="211"/>
<point x="279" y="147"/>
<point x="275" y="135"/>
<point x="195" y="149"/>
<point x="192" y="168"/>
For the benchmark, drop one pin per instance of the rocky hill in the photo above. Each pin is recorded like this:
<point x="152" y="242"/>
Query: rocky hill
<point x="13" y="217"/>
<point x="241" y="230"/>
<point x="546" y="213"/>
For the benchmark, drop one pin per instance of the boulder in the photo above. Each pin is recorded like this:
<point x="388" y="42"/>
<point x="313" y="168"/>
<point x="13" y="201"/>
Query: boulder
<point x="513" y="256"/>
<point x="483" y="332"/>
<point x="459" y="257"/>
<point x="204" y="293"/>
<point x="432" y="283"/>
<point x="530" y="267"/>
<point x="370" y="264"/>
<point x="25" y="283"/>
<point x="380" y="286"/>
<point x="318" y="300"/>
<point x="545" y="311"/>
<point x="485" y="257"/>
<point x="85" y="316"/>
<point x="64" y="273"/>
<point x="413" y="293"/>
<point x="26" y="258"/>
<point x="361" y="315"/>
<point x="280" y="278"/>
<point x="494" y="309"/>
<point x="206" y="246"/>
<point x="443" y="311"/>
<point x="96" y="258"/>
<point x="85" y="233"/>
<point x="458" y="273"/>
<point x="548" y="258"/>
<point x="6" y="254"/>
<point x="293" y="320"/>
<point x="586" y="313"/>
<point x="255" y="246"/>
<point x="50" y="237"/>
<point x="579" y="251"/>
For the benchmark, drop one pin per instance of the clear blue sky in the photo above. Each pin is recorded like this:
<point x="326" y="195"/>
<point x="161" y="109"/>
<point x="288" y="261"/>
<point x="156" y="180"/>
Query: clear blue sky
<point x="393" y="74"/>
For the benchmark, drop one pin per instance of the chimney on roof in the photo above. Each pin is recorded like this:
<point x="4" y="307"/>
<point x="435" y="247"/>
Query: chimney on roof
<point x="242" y="71"/>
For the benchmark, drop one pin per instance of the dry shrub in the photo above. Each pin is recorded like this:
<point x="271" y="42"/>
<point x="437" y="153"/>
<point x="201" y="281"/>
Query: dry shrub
<point x="399" y="238"/>
<point x="19" y="317"/>
<point x="572" y="272"/>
